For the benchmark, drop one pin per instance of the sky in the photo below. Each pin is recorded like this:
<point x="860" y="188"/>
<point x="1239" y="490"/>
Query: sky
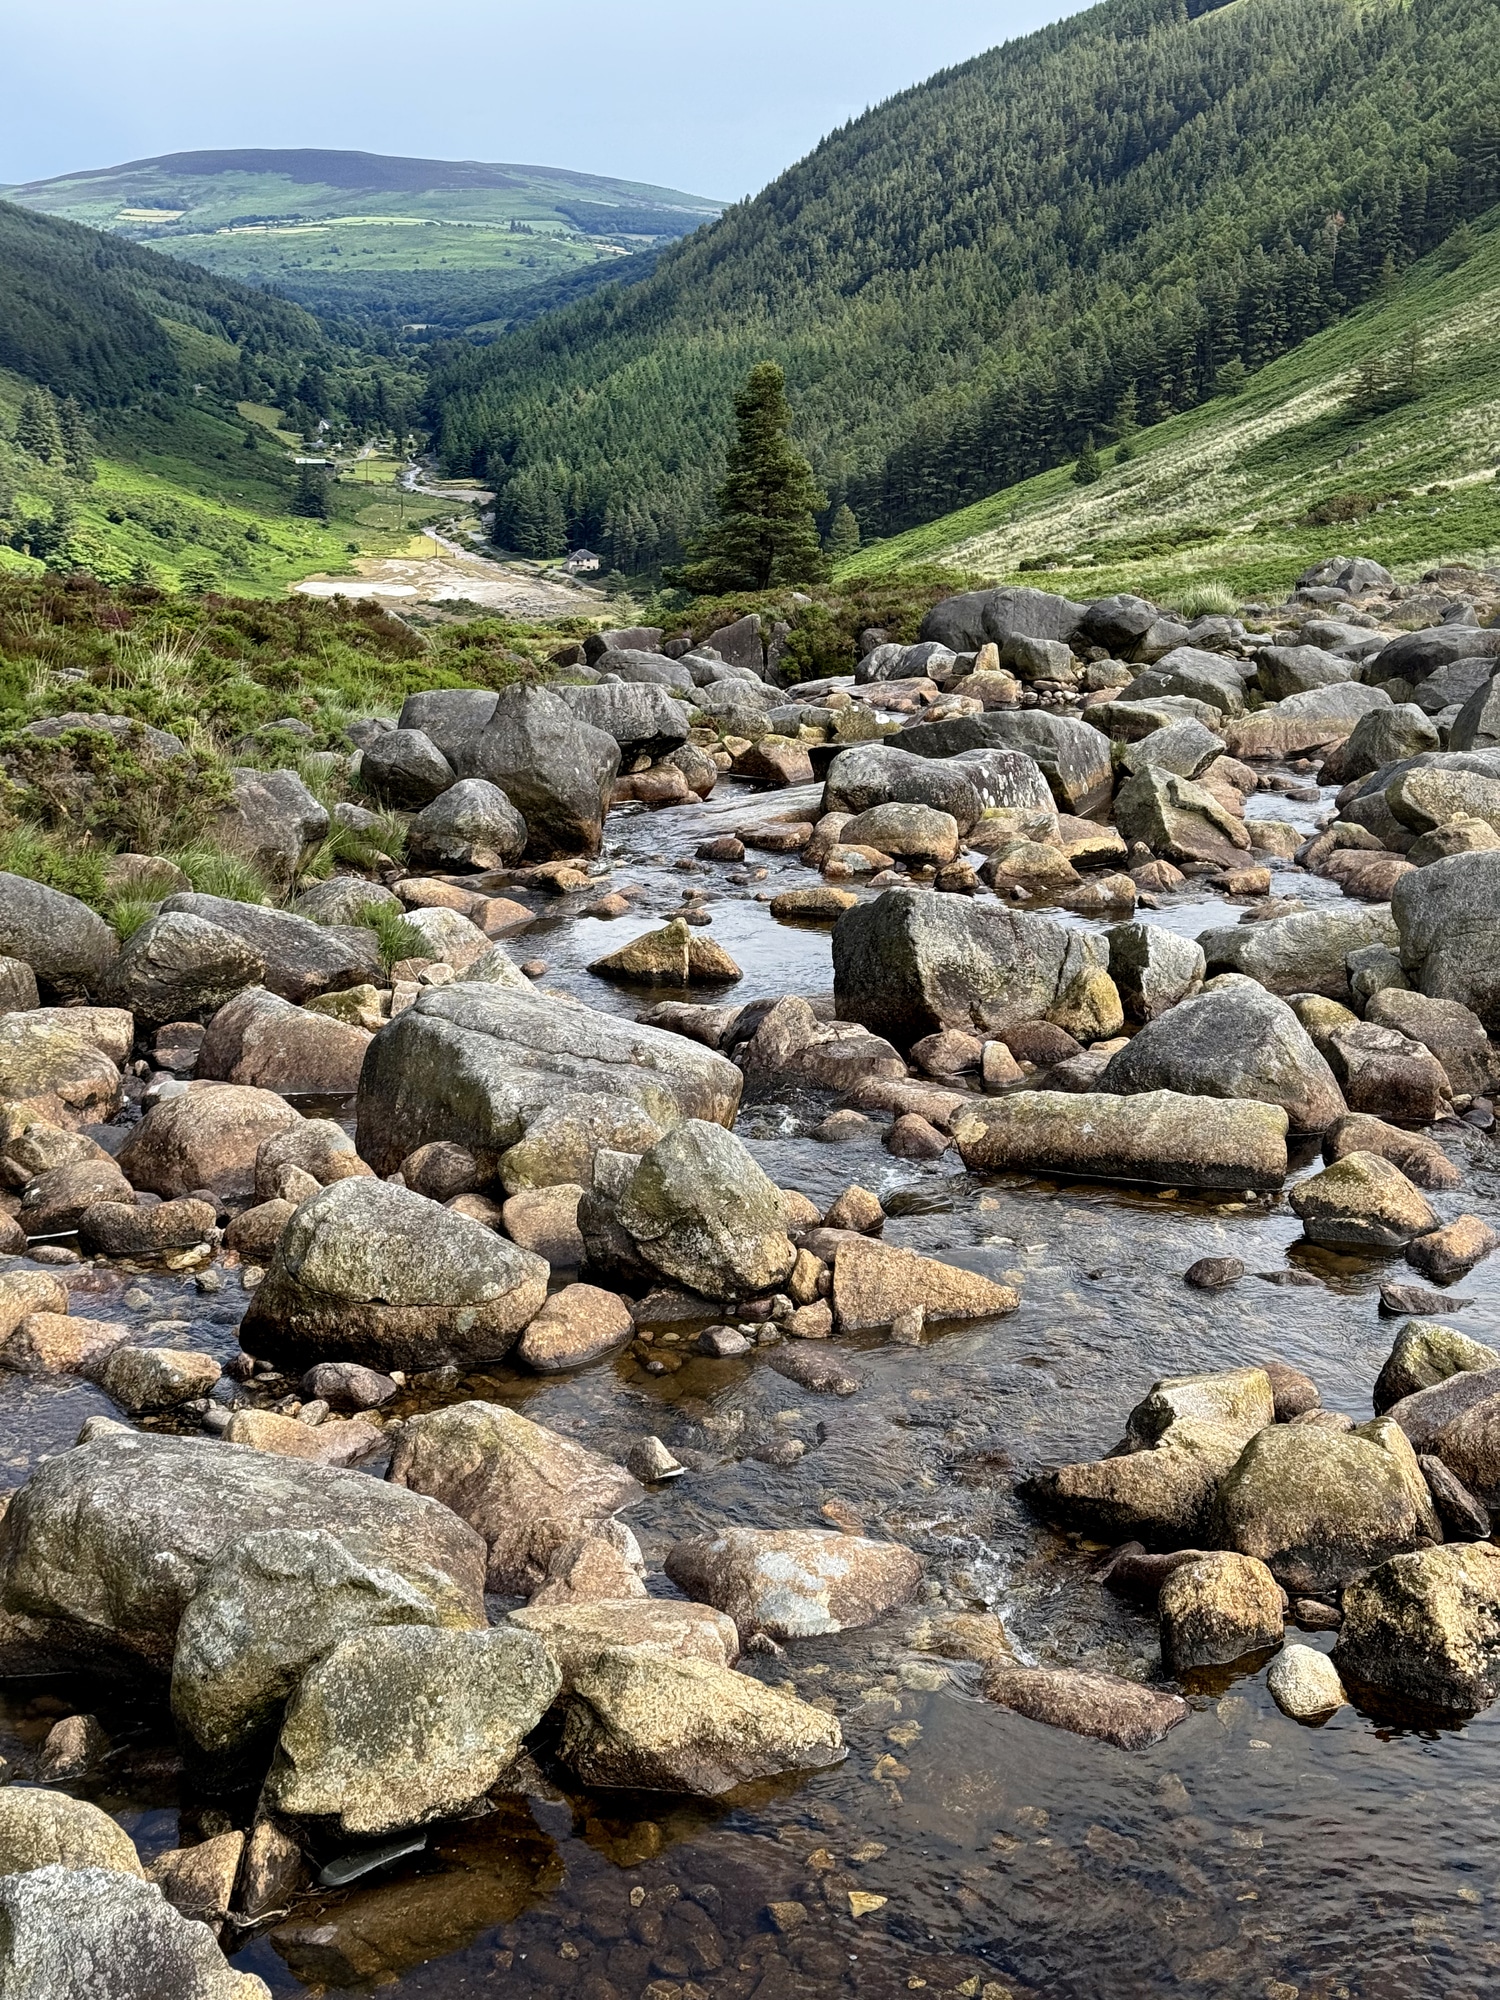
<point x="714" y="97"/>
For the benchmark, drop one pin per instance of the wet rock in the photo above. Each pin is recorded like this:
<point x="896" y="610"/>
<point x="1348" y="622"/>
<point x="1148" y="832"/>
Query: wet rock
<point x="472" y="825"/>
<point x="676" y="955"/>
<point x="368" y="1272"/>
<point x="1464" y="1518"/>
<point x="723" y="1343"/>
<point x="913" y="961"/>
<point x="104" y="1546"/>
<point x="121" y="1229"/>
<point x="344" y="1385"/>
<point x="793" y="1583"/>
<point x="301" y="958"/>
<point x="1446" y="1254"/>
<point x="1152" y="968"/>
<point x="649" y="1722"/>
<point x="53" y="1343"/>
<point x="178" y="965"/>
<point x="1387" y="1074"/>
<point x="1178" y="820"/>
<point x="72" y="1748"/>
<point x="262" y="1040"/>
<point x="605" y="1564"/>
<point x="273" y="820"/>
<point x="701" y="1211"/>
<point x="206" y="1138"/>
<point x="576" y="1634"/>
<point x="1425" y="1627"/>
<point x="1305" y="1684"/>
<point x="199" y="1881"/>
<point x="792" y="1043"/>
<point x="874" y="1283"/>
<point x="1072" y="757"/>
<point x="541" y="1085"/>
<point x="1294" y="1394"/>
<point x="912" y="1138"/>
<point x="255" y="1232"/>
<point x="44" y="1829"/>
<point x="574" y="1327"/>
<point x="1362" y="1202"/>
<point x="441" y="1170"/>
<point x="405" y="768"/>
<point x="1422" y="1160"/>
<point x="1236" y="1041"/>
<point x="545" y="1221"/>
<point x="1397" y="1297"/>
<point x="68" y="946"/>
<point x="1317" y="1505"/>
<point x="1212" y="1274"/>
<point x="1426" y="1413"/>
<point x="1302" y="953"/>
<point x="1448" y="917"/>
<point x="54" y="1202"/>
<point x="555" y="769"/>
<point x="1216" y="1610"/>
<point x="910" y="832"/>
<point x="402" y="1724"/>
<point x="1159" y="1135"/>
<point x="1160" y="1497"/>
<point x="1098" y="1705"/>
<point x="814" y="1366"/>
<point x="524" y="1488"/>
<point x="146" y="1379"/>
<point x="331" y="1442"/>
<point x="1454" y="1035"/>
<point x="58" y="1924"/>
<point x="1238" y="1401"/>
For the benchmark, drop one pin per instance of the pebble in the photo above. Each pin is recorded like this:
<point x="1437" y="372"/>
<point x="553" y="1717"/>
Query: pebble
<point x="1211" y="1274"/>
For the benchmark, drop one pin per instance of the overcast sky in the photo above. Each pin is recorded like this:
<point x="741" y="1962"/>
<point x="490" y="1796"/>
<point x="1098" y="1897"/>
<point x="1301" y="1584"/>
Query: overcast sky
<point x="711" y="96"/>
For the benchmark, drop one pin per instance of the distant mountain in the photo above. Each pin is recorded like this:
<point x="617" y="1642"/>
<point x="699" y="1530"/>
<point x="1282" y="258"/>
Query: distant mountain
<point x="446" y="242"/>
<point x="968" y="280"/>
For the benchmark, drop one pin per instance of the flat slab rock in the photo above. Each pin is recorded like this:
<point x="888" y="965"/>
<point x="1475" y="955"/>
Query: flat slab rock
<point x="1098" y="1705"/>
<point x="792" y="1583"/>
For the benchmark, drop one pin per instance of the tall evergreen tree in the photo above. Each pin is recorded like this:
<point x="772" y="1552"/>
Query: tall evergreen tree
<point x="77" y="438"/>
<point x="311" y="497"/>
<point x="843" y="536"/>
<point x="1088" y="470"/>
<point x="37" y="427"/>
<point x="765" y="533"/>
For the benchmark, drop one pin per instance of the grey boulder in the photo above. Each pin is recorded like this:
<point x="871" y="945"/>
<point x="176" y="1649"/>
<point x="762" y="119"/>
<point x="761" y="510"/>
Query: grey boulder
<point x="67" y="945"/>
<point x="82" y="1933"/>
<point x="555" y="769"/>
<point x="1153" y="968"/>
<point x="1302" y="953"/>
<point x="1448" y="920"/>
<point x="405" y="768"/>
<point x="177" y="966"/>
<point x="644" y="721"/>
<point x="1072" y="757"/>
<point x="472" y="825"/>
<point x="273" y="820"/>
<point x="301" y="958"/>
<point x="700" y="1211"/>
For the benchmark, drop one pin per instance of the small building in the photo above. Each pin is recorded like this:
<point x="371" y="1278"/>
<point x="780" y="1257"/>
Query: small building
<point x="581" y="560"/>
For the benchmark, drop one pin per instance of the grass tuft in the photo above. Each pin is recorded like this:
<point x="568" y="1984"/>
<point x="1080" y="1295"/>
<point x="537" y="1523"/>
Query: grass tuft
<point x="396" y="938"/>
<point x="216" y="871"/>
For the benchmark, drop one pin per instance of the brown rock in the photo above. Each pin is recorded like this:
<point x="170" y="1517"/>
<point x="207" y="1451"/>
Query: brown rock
<point x="950" y="1052"/>
<point x="207" y="1138"/>
<point x="676" y="955"/>
<point x="1218" y="1609"/>
<point x="574" y="1327"/>
<point x="1295" y="1393"/>
<point x="336" y="1441"/>
<point x="576" y="1633"/>
<point x="23" y="1292"/>
<point x="120" y="1229"/>
<point x="255" y="1232"/>
<point x="545" y="1221"/>
<point x="816" y="1366"/>
<point x="199" y="1881"/>
<point x="1099" y="1705"/>
<point x="912" y="1138"/>
<point x="792" y="1583"/>
<point x="441" y="1170"/>
<point x="1361" y="1203"/>
<point x="1422" y="1160"/>
<point x="873" y="1283"/>
<point x="257" y="1038"/>
<point x="55" y="1200"/>
<point x="1448" y="1253"/>
<point x="54" y="1343"/>
<point x="856" y="1208"/>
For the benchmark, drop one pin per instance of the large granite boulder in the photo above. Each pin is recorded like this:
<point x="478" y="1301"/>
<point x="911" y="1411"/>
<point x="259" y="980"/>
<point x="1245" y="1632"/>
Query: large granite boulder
<point x="1213" y="678"/>
<point x="1303" y="722"/>
<point x="1412" y="656"/>
<point x="368" y="1272"/>
<point x="301" y="958"/>
<point x="1178" y="820"/>
<point x="555" y="769"/>
<point x="644" y="721"/>
<point x="453" y="719"/>
<point x="273" y="820"/>
<point x="259" y="1039"/>
<point x="1159" y="1136"/>
<point x="1072" y="756"/>
<point x="206" y="1138"/>
<point x="1302" y="953"/>
<point x="914" y="961"/>
<point x="1284" y="670"/>
<point x="1362" y="1202"/>
<point x="53" y="1070"/>
<point x="103" y="1547"/>
<point x="1425" y="1628"/>
<point x="405" y="768"/>
<point x="1383" y="736"/>
<point x="1477" y="724"/>
<point x="877" y="774"/>
<point x="1425" y="1353"/>
<point x="1217" y="1609"/>
<point x="80" y="1933"/>
<point x="1453" y="1033"/>
<point x="175" y="967"/>
<point x="472" y="825"/>
<point x="974" y="617"/>
<point x="43" y="1829"/>
<point x="700" y="1211"/>
<point x="794" y="1583"/>
<point x="1448" y="921"/>
<point x="1153" y="968"/>
<point x="1235" y="1041"/>
<point x="68" y="946"/>
<point x="539" y="1083"/>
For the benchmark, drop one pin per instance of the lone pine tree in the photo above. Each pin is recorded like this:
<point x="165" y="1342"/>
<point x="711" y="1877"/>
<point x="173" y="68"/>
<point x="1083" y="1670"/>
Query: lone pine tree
<point x="765" y="533"/>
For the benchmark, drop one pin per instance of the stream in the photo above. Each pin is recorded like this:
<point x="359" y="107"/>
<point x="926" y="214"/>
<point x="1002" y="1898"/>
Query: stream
<point x="960" y="1849"/>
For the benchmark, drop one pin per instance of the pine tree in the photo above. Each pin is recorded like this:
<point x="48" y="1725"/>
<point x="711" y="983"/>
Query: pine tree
<point x="1088" y="469"/>
<point x="1230" y="380"/>
<point x="37" y="428"/>
<point x="765" y="533"/>
<point x="77" y="439"/>
<point x="1126" y="424"/>
<point x="311" y="496"/>
<point x="843" y="536"/>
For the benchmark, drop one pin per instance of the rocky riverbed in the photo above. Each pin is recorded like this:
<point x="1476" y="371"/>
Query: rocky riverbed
<point x="761" y="1413"/>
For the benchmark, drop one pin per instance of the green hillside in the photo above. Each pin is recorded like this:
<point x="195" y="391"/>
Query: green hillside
<point x="967" y="281"/>
<point x="442" y="242"/>
<point x="1250" y="489"/>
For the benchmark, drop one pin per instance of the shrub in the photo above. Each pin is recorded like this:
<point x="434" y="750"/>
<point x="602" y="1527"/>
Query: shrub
<point x="118" y="791"/>
<point x="45" y="856"/>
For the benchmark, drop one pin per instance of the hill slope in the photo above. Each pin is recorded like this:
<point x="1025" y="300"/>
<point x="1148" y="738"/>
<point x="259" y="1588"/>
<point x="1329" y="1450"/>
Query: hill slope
<point x="964" y="282"/>
<point x="440" y="241"/>
<point x="1249" y="490"/>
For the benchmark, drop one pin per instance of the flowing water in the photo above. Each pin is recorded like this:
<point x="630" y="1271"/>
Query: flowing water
<point x="959" y="1850"/>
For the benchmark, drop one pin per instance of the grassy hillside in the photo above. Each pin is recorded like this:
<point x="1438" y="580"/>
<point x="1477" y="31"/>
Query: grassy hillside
<point x="438" y="241"/>
<point x="1250" y="489"/>
<point x="966" y="281"/>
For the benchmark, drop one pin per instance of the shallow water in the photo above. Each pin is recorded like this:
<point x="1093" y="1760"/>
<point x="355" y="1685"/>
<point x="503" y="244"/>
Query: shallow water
<point x="1244" y="1855"/>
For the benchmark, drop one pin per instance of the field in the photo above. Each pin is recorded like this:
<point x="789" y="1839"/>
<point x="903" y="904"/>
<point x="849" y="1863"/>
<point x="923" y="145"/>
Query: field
<point x="1225" y="492"/>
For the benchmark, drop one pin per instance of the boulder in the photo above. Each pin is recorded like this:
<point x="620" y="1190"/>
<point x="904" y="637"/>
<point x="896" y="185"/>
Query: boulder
<point x="273" y="820"/>
<point x="1184" y="748"/>
<point x="555" y="769"/>
<point x="1318" y="1506"/>
<point x="1099" y="1705"/>
<point x="975" y="617"/>
<point x="1383" y="736"/>
<point x="104" y="1546"/>
<point x="1303" y="722"/>
<point x="794" y="1583"/>
<point x="69" y="948"/>
<point x="1161" y="1496"/>
<point x="792" y="1044"/>
<point x="574" y="1327"/>
<point x="1421" y="1159"/>
<point x="301" y="958"/>
<point x="1236" y="1041"/>
<point x="676" y="955"/>
<point x="1302" y="953"/>
<point x="1477" y="724"/>
<point x="453" y="719"/>
<point x="472" y="825"/>
<point x="343" y="899"/>
<point x="644" y="721"/>
<point x="315" y="1146"/>
<point x="178" y="966"/>
<point x="267" y="1608"/>
<point x="55" y="1201"/>
<point x="1161" y="1135"/>
<point x="545" y="1220"/>
<point x="1362" y="1202"/>
<point x="1117" y="623"/>
<point x="1212" y="678"/>
<point x="874" y="1283"/>
<point x="700" y="1211"/>
<point x="1469" y="1443"/>
<point x="400" y="1724"/>
<point x="52" y="1071"/>
<point x="1448" y="922"/>
<point x="18" y="988"/>
<point x="206" y="1138"/>
<point x="1152" y="968"/>
<point x="1178" y="820"/>
<point x="405" y="768"/>
<point x="648" y="1722"/>
<point x="1305" y="1684"/>
<point x="45" y="1829"/>
<point x="525" y="1489"/>
<point x="344" y="1385"/>
<point x="498" y="1071"/>
<point x="143" y="1380"/>
<point x="1453" y="1032"/>
<point x="259" y="1039"/>
<point x="1451" y="1252"/>
<point x="913" y="961"/>
<point x="1427" y="795"/>
<point x="1427" y="1413"/>
<point x="60" y="1927"/>
<point x="1425" y="1628"/>
<point x="334" y="1441"/>
<point x="1387" y="1074"/>
<point x="55" y="1343"/>
<point x="1424" y="1354"/>
<point x="877" y="774"/>
<point x="909" y="832"/>
<point x="1217" y="1609"/>
<point x="1284" y="670"/>
<point x="368" y="1272"/>
<point x="1236" y="1401"/>
<point x="1072" y="756"/>
<point x="575" y="1634"/>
